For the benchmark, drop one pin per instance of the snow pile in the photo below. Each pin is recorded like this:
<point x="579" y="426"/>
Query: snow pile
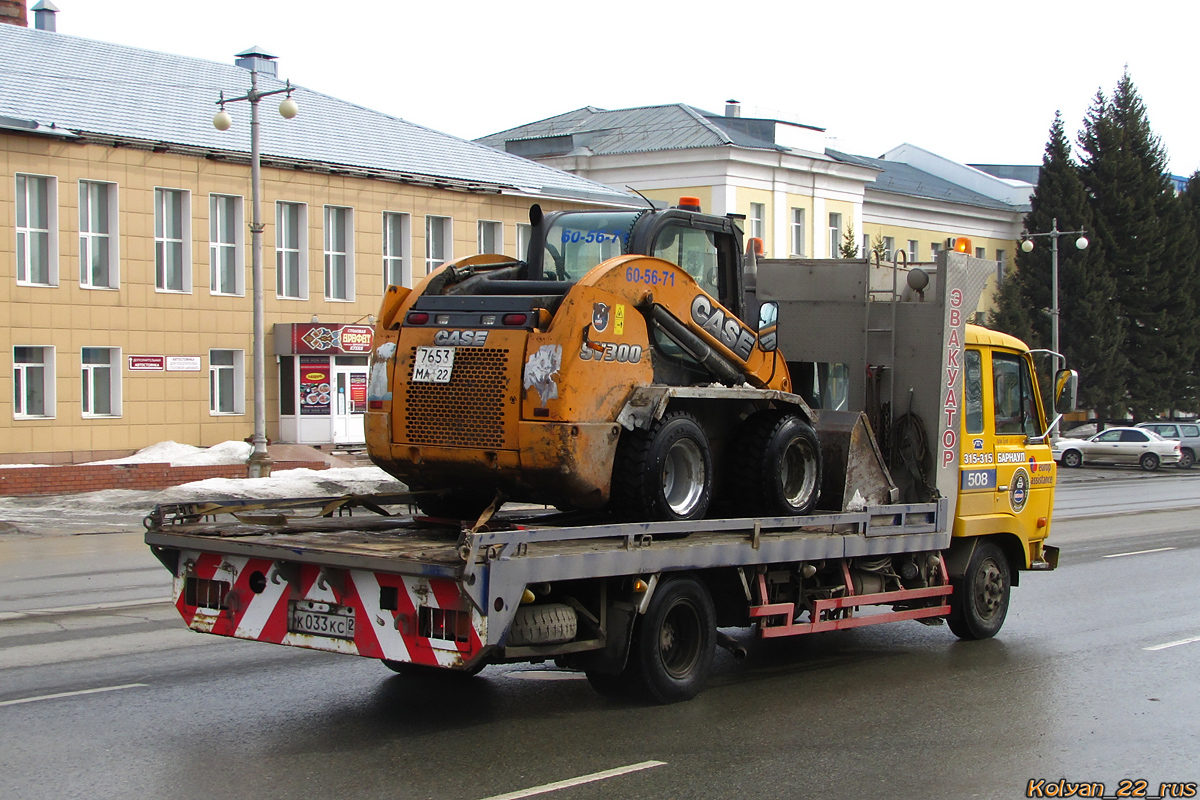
<point x="186" y="455"/>
<point x="288" y="483"/>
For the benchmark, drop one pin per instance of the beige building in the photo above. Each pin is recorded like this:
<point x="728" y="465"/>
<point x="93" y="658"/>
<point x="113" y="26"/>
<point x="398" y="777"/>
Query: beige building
<point x="800" y="197"/>
<point x="125" y="281"/>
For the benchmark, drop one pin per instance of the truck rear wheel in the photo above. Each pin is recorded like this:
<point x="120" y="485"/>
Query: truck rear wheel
<point x="674" y="643"/>
<point x="664" y="473"/>
<point x="980" y="600"/>
<point x="777" y="466"/>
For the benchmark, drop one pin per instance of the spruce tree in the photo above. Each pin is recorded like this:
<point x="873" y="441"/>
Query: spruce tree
<point x="1124" y="169"/>
<point x="1184" y="256"/>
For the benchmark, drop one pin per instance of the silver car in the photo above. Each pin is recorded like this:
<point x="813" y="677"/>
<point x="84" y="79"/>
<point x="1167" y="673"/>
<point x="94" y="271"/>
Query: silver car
<point x="1118" y="446"/>
<point x="1186" y="433"/>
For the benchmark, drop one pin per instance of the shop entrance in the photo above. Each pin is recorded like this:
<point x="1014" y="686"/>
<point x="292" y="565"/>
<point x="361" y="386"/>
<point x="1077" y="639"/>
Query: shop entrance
<point x="349" y="400"/>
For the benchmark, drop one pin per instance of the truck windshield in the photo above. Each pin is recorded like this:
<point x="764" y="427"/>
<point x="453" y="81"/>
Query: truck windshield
<point x="577" y="242"/>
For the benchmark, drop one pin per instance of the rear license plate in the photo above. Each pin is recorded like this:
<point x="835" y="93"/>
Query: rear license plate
<point x="433" y="365"/>
<point x="321" y="619"/>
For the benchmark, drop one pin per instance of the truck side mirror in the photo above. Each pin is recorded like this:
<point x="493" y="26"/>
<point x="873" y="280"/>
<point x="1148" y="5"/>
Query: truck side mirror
<point x="1066" y="391"/>
<point x="768" y="316"/>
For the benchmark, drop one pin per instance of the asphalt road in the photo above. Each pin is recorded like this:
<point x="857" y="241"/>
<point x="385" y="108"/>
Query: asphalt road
<point x="1094" y="678"/>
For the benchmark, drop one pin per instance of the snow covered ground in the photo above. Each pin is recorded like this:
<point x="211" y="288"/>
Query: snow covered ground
<point x="116" y="510"/>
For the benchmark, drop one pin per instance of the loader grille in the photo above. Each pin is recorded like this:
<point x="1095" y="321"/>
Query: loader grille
<point x="466" y="412"/>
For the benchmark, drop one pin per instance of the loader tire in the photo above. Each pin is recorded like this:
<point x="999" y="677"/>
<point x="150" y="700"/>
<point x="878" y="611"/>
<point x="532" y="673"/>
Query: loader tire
<point x="664" y="473"/>
<point x="777" y="466"/>
<point x="549" y="623"/>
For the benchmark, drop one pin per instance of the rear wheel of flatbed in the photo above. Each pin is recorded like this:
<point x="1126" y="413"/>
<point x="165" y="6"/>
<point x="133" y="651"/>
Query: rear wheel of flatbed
<point x="980" y="600"/>
<point x="674" y="642"/>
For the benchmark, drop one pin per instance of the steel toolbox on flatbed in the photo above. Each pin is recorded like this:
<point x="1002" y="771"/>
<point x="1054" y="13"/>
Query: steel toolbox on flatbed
<point x="412" y="590"/>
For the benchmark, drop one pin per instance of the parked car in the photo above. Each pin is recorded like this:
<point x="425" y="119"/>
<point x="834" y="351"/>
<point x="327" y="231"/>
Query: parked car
<point x="1118" y="446"/>
<point x="1186" y="433"/>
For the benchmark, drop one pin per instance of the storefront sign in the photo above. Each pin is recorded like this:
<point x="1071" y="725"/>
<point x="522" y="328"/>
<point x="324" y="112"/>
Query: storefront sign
<point x="315" y="338"/>
<point x="356" y="339"/>
<point x="183" y="363"/>
<point x="314" y="387"/>
<point x="147" y="363"/>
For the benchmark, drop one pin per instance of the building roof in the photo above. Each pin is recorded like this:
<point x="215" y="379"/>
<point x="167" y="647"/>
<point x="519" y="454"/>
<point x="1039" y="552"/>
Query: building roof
<point x="638" y="130"/>
<point x="897" y="177"/>
<point x="78" y="87"/>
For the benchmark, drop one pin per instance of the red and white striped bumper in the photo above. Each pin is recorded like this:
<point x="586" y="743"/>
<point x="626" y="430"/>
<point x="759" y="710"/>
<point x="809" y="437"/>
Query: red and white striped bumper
<point x="404" y="618"/>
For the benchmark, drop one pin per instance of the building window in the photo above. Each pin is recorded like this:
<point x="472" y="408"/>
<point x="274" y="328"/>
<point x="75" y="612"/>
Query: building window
<point x="980" y="252"/>
<point x="339" y="253"/>
<point x="225" y="251"/>
<point x="889" y="248"/>
<point x="98" y="235"/>
<point x="524" y="232"/>
<point x="101" y="381"/>
<point x="437" y="242"/>
<point x="1001" y="258"/>
<point x="226" y="382"/>
<point x="397" y="269"/>
<point x="798" y="232"/>
<point x="934" y="249"/>
<point x="33" y="382"/>
<point x="835" y="234"/>
<point x="37" y="234"/>
<point x="172" y="229"/>
<point x="866" y="246"/>
<point x="913" y="249"/>
<point x="491" y="237"/>
<point x="758" y="217"/>
<point x="291" y="250"/>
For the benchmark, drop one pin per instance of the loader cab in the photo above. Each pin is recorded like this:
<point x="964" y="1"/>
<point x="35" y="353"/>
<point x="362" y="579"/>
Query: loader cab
<point x="566" y="245"/>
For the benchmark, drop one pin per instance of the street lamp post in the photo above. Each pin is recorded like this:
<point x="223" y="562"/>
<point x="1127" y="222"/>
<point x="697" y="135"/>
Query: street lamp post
<point x="1027" y="245"/>
<point x="259" y="465"/>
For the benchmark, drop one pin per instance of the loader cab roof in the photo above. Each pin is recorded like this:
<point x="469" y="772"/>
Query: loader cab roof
<point x="566" y="245"/>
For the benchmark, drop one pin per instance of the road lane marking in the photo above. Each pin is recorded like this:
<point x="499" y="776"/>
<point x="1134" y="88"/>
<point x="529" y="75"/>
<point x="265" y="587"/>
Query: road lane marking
<point x="1173" y="644"/>
<point x="72" y="694"/>
<point x="103" y="646"/>
<point x="1140" y="552"/>
<point x="45" y="612"/>
<point x="570" y="782"/>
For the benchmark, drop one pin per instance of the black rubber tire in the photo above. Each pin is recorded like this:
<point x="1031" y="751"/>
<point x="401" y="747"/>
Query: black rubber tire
<point x="674" y="642"/>
<point x="1149" y="462"/>
<point x="1186" y="458"/>
<point x="426" y="672"/>
<point x="777" y="465"/>
<point x="1072" y="458"/>
<point x="664" y="473"/>
<point x="614" y="687"/>
<point x="463" y="504"/>
<point x="980" y="600"/>
<point x="547" y="623"/>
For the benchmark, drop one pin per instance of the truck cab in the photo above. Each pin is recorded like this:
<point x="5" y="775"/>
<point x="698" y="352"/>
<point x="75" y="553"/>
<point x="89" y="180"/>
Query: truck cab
<point x="1007" y="473"/>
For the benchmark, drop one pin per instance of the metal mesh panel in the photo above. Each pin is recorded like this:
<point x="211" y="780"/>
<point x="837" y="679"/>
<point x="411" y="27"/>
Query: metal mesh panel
<point x="466" y="412"/>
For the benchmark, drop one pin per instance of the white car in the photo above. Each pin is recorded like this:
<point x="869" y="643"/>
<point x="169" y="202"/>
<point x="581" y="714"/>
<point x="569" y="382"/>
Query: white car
<point x="1118" y="446"/>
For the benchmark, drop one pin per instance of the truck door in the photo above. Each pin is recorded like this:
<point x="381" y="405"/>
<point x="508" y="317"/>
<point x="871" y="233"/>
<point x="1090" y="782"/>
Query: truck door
<point x="1024" y="472"/>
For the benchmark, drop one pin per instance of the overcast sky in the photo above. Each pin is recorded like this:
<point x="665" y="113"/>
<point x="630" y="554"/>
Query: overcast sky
<point x="975" y="82"/>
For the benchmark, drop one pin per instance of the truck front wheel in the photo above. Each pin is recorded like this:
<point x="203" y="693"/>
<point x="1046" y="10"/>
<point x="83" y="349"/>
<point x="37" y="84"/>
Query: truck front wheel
<point x="980" y="600"/>
<point x="674" y="643"/>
